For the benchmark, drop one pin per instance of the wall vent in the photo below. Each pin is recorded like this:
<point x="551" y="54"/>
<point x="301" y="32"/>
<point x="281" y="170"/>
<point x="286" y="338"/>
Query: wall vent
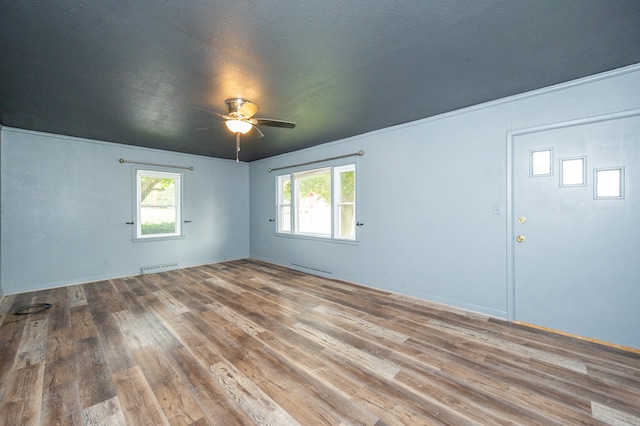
<point x="158" y="268"/>
<point x="312" y="269"/>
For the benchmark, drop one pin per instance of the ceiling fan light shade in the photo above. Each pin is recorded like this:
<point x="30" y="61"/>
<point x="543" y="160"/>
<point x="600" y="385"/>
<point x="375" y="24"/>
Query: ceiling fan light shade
<point x="238" y="126"/>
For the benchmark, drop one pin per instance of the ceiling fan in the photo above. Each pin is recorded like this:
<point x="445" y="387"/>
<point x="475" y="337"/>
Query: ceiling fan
<point x="240" y="120"/>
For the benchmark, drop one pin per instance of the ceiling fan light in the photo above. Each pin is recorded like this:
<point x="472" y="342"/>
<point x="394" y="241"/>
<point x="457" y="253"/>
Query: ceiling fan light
<point x="238" y="126"/>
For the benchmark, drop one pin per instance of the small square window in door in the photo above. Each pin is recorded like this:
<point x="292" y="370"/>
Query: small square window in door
<point x="573" y="171"/>
<point x="608" y="183"/>
<point x="540" y="162"/>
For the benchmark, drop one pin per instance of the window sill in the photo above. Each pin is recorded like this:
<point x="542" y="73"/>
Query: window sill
<point x="149" y="239"/>
<point x="319" y="239"/>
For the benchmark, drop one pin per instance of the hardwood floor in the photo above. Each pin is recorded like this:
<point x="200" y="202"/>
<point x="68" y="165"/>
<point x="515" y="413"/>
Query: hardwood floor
<point x="244" y="342"/>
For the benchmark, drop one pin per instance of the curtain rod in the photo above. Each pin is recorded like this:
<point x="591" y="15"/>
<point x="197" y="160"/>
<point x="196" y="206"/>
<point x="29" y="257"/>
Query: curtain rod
<point x="359" y="153"/>
<point x="122" y="161"/>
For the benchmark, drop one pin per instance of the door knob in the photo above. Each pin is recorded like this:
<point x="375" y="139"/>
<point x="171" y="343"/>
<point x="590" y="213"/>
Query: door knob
<point x="520" y="238"/>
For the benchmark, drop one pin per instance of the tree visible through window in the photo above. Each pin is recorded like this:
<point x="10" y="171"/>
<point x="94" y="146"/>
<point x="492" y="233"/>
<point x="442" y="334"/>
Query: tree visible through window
<point x="158" y="204"/>
<point x="313" y="202"/>
<point x="319" y="202"/>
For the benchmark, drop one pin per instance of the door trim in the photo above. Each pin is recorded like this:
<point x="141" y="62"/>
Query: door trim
<point x="511" y="136"/>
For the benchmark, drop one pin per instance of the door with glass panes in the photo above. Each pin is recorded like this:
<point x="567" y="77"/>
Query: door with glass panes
<point x="576" y="229"/>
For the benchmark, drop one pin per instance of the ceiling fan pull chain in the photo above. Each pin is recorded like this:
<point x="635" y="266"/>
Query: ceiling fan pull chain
<point x="237" y="147"/>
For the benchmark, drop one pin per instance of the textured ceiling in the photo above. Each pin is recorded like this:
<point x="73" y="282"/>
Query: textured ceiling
<point x="135" y="72"/>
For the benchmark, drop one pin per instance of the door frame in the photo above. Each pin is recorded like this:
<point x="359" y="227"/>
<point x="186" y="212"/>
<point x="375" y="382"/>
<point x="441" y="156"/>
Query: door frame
<point x="511" y="137"/>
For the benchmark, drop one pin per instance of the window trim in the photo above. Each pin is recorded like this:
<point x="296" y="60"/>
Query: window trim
<point x="149" y="171"/>
<point x="292" y="231"/>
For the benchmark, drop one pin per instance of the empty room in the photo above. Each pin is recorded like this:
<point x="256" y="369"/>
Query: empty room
<point x="320" y="213"/>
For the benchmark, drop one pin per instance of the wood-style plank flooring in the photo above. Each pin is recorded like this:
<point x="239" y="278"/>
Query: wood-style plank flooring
<point x="245" y="342"/>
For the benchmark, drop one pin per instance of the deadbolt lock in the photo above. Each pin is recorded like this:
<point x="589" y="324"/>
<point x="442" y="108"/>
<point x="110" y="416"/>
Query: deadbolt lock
<point x="522" y="219"/>
<point x="520" y="238"/>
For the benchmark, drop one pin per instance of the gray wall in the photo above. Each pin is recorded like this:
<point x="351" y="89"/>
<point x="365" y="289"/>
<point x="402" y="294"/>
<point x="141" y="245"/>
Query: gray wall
<point x="65" y="202"/>
<point x="427" y="192"/>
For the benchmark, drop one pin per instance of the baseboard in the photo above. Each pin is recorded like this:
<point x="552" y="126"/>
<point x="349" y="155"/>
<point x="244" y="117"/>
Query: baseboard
<point x="576" y="336"/>
<point x="426" y="297"/>
<point x="123" y="274"/>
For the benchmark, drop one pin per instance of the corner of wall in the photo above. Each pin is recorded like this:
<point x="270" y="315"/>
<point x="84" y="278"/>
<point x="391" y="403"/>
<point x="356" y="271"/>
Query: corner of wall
<point x="1" y="222"/>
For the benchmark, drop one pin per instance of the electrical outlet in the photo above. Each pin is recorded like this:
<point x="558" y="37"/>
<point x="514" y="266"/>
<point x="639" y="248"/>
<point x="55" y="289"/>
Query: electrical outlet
<point x="105" y="261"/>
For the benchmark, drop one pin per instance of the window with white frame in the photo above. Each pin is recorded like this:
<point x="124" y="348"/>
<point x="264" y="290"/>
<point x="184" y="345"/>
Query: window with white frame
<point x="318" y="203"/>
<point x="158" y="204"/>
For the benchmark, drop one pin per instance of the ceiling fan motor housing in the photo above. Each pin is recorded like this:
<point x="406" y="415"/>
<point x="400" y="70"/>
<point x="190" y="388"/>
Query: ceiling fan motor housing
<point x="240" y="108"/>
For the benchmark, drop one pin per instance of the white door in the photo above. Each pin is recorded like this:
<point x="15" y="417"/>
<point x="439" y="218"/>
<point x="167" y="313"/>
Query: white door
<point x="576" y="226"/>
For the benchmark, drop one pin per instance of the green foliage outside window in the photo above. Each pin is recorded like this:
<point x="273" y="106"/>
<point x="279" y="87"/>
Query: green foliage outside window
<point x="286" y="190"/>
<point x="150" y="184"/>
<point x="319" y="185"/>
<point x="347" y="186"/>
<point x="150" y="228"/>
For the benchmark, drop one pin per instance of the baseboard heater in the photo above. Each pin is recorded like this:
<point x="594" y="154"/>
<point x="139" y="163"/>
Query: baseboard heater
<point x="312" y="269"/>
<point x="158" y="268"/>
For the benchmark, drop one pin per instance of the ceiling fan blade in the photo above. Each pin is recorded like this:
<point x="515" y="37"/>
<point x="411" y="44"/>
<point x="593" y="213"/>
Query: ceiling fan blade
<point x="274" y="123"/>
<point x="226" y="117"/>
<point x="210" y="126"/>
<point x="257" y="133"/>
<point x="248" y="109"/>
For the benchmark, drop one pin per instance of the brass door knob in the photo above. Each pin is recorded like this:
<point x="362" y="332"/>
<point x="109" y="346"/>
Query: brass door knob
<point x="520" y="238"/>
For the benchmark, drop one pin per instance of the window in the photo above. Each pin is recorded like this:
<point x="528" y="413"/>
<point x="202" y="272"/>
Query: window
<point x="158" y="201"/>
<point x="573" y="172"/>
<point x="318" y="203"/>
<point x="312" y="202"/>
<point x="345" y="190"/>
<point x="541" y="161"/>
<point x="608" y="183"/>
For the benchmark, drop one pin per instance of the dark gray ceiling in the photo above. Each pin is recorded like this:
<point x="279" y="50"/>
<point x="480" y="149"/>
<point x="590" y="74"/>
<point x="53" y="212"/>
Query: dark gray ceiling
<point x="129" y="71"/>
